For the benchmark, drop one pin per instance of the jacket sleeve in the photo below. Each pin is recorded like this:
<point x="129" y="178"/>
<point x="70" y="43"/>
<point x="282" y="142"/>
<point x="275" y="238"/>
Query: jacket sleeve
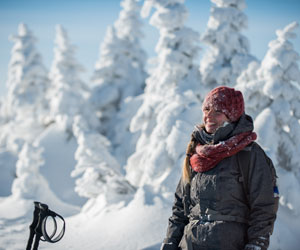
<point x="177" y="221"/>
<point x="262" y="202"/>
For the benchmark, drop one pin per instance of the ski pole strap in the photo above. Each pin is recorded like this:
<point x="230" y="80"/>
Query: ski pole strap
<point x="44" y="231"/>
<point x="38" y="228"/>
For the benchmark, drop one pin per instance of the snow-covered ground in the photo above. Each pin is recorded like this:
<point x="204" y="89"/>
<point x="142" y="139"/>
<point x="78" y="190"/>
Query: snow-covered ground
<point x="138" y="225"/>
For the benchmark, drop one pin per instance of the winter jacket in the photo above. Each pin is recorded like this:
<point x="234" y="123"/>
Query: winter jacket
<point x="214" y="213"/>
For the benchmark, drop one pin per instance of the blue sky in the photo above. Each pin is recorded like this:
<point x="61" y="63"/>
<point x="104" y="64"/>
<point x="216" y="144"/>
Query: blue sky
<point x="86" y="22"/>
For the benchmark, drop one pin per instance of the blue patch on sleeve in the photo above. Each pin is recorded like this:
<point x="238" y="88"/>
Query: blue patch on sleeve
<point x="276" y="191"/>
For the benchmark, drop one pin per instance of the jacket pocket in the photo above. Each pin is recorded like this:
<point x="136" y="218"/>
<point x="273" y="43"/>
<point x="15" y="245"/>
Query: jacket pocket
<point x="187" y="239"/>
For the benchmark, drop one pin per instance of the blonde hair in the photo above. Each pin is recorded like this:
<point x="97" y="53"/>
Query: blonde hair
<point x="186" y="169"/>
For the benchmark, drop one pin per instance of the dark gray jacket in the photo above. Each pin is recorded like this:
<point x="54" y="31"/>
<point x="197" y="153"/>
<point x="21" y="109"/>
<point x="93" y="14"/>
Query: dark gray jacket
<point x="215" y="213"/>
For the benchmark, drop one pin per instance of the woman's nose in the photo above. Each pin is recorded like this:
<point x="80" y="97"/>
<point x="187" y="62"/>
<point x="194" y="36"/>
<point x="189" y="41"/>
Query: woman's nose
<point x="210" y="113"/>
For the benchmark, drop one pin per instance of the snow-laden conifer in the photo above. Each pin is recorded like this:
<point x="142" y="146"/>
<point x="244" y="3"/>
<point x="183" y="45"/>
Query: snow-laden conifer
<point x="68" y="92"/>
<point x="99" y="174"/>
<point x="27" y="79"/>
<point x="129" y="29"/>
<point x="228" y="53"/>
<point x="252" y="89"/>
<point x="119" y="72"/>
<point x="25" y="106"/>
<point x="29" y="182"/>
<point x="171" y="103"/>
<point x="278" y="125"/>
<point x="29" y="185"/>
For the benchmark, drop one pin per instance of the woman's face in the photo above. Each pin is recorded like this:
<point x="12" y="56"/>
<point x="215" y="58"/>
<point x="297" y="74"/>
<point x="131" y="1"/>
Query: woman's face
<point x="213" y="119"/>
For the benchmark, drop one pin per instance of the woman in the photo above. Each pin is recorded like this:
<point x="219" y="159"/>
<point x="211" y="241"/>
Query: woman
<point x="226" y="197"/>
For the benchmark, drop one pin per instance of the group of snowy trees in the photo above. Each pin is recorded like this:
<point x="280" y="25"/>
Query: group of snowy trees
<point x="132" y="127"/>
<point x="38" y="99"/>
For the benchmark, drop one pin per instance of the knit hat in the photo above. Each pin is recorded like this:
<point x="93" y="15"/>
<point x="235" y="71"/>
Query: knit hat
<point x="227" y="100"/>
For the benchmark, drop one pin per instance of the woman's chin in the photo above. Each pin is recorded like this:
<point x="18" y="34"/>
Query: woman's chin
<point x="210" y="130"/>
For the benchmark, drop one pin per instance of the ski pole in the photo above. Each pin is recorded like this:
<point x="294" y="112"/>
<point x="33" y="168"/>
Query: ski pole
<point x="38" y="226"/>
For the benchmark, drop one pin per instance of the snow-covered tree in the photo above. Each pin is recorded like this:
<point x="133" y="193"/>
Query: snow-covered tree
<point x="68" y="93"/>
<point x="171" y="103"/>
<point x="281" y="75"/>
<point x="100" y="174"/>
<point x="27" y="80"/>
<point x="252" y="89"/>
<point x="29" y="182"/>
<point x="29" y="185"/>
<point x="129" y="30"/>
<point x="228" y="53"/>
<point x="119" y="72"/>
<point x="278" y="124"/>
<point x="25" y="106"/>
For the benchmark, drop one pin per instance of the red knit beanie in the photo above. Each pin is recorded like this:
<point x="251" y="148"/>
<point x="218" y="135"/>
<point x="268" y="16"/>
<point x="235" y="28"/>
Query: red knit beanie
<point x="227" y="100"/>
